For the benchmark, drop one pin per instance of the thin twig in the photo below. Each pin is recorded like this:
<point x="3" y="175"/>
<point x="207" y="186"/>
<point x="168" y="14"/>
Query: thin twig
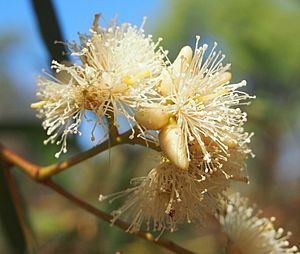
<point x="48" y="171"/>
<point x="15" y="159"/>
<point x="121" y="224"/>
<point x="116" y="139"/>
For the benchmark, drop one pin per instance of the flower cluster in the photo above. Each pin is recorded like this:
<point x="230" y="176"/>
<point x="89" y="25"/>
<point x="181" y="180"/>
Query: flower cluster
<point x="189" y="104"/>
<point x="248" y="232"/>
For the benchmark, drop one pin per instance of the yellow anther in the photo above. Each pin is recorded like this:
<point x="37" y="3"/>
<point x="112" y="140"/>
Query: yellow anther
<point x="38" y="104"/>
<point x="172" y="120"/>
<point x="131" y="81"/>
<point x="147" y="74"/>
<point x="269" y="226"/>
<point x="169" y="102"/>
<point x="149" y="236"/>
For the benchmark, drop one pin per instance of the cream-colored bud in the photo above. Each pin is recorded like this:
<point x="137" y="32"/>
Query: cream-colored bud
<point x="152" y="118"/>
<point x="183" y="59"/>
<point x="165" y="85"/>
<point x="224" y="78"/>
<point x="173" y="144"/>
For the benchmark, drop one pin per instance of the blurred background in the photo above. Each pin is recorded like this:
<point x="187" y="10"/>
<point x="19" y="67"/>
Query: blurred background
<point x="262" y="41"/>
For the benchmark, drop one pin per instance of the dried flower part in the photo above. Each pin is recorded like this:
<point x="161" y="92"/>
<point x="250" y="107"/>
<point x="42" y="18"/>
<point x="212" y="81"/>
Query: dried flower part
<point x="153" y="117"/>
<point x="195" y="90"/>
<point x="173" y="144"/>
<point x="119" y="67"/>
<point x="183" y="60"/>
<point x="249" y="232"/>
<point x="170" y="196"/>
<point x="231" y="165"/>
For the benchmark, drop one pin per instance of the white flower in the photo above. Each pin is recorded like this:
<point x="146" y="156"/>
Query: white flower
<point x="197" y="96"/>
<point x="119" y="66"/>
<point x="62" y="106"/>
<point x="169" y="196"/>
<point x="125" y="62"/>
<point x="250" y="233"/>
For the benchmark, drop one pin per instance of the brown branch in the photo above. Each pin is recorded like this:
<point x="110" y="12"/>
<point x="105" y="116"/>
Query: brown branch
<point x="116" y="139"/>
<point x="48" y="171"/>
<point x="121" y="224"/>
<point x="15" y="159"/>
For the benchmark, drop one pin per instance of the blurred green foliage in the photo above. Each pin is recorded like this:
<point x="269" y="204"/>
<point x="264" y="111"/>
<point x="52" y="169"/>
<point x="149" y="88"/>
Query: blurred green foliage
<point x="261" y="37"/>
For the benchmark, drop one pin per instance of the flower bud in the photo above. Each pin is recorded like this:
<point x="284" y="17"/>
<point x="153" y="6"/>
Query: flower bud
<point x="152" y="118"/>
<point x="173" y="144"/>
<point x="224" y="78"/>
<point x="165" y="85"/>
<point x="183" y="59"/>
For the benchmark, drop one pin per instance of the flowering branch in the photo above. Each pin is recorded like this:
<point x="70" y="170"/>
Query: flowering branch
<point x="46" y="172"/>
<point x="40" y="173"/>
<point x="33" y="170"/>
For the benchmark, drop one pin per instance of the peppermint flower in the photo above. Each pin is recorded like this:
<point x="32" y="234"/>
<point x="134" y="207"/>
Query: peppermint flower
<point x="198" y="103"/>
<point x="249" y="233"/>
<point x="119" y="66"/>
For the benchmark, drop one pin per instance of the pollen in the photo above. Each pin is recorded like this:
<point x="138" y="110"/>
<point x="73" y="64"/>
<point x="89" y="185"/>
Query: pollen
<point x="133" y="81"/>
